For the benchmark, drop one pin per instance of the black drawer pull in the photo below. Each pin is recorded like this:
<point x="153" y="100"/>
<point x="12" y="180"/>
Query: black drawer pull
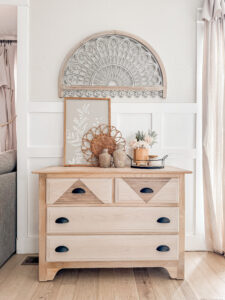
<point x="78" y="191"/>
<point x="163" y="220"/>
<point x="62" y="220"/>
<point x="61" y="249"/>
<point x="147" y="190"/>
<point x="163" y="248"/>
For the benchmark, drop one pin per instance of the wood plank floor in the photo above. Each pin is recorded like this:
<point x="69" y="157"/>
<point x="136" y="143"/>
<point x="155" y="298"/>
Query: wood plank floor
<point x="205" y="280"/>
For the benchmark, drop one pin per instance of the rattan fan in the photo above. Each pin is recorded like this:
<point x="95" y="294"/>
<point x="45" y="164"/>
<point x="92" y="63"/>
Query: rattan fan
<point x="99" y="138"/>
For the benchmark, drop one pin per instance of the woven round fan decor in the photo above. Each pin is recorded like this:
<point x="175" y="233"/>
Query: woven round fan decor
<point x="99" y="138"/>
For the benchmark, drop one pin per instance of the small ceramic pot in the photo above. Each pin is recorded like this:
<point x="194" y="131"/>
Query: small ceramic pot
<point x="105" y="159"/>
<point x="119" y="157"/>
<point x="141" y="156"/>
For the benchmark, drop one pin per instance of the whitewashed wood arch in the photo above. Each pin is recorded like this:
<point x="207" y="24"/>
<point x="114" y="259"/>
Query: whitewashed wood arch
<point x="112" y="63"/>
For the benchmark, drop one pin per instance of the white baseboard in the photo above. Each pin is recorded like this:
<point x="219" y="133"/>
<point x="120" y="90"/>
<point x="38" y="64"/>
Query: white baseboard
<point x="30" y="244"/>
<point x="27" y="245"/>
<point x="195" y="243"/>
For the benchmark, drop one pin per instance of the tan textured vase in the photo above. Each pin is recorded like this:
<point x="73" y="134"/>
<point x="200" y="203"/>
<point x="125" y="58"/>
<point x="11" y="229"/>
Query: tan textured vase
<point x="141" y="156"/>
<point x="119" y="157"/>
<point x="105" y="159"/>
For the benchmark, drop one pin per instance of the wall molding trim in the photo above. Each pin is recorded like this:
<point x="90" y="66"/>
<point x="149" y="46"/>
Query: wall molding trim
<point x="137" y="107"/>
<point x="57" y="151"/>
<point x="35" y="152"/>
<point x="45" y="147"/>
<point x="15" y="2"/>
<point x="27" y="245"/>
<point x="195" y="242"/>
<point x="21" y="107"/>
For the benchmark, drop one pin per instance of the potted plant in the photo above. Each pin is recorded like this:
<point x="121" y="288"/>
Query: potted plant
<point x="141" y="145"/>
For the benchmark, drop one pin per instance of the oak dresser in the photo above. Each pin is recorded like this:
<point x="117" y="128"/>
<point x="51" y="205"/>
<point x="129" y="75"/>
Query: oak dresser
<point x="103" y="218"/>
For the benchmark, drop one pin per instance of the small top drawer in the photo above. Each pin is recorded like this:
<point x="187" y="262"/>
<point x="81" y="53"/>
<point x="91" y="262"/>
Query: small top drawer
<point x="78" y="191"/>
<point x="147" y="190"/>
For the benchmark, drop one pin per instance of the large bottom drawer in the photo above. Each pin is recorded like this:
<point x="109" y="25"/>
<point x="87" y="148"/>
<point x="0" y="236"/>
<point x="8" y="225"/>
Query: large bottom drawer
<point x="112" y="248"/>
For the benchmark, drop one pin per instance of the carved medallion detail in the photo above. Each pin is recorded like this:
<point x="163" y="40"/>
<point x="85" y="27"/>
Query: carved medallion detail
<point x="112" y="64"/>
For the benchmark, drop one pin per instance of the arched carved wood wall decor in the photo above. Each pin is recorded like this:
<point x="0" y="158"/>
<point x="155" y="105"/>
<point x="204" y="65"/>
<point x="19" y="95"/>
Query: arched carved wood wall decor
<point x="111" y="64"/>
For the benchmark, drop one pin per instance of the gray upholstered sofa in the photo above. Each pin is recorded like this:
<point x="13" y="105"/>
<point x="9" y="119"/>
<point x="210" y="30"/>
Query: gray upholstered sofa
<point x="7" y="205"/>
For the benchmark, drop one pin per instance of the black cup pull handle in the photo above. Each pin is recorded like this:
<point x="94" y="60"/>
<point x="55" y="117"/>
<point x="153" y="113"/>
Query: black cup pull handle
<point x="78" y="191"/>
<point x="163" y="220"/>
<point x="163" y="248"/>
<point x="62" y="220"/>
<point x="147" y="190"/>
<point x="61" y="249"/>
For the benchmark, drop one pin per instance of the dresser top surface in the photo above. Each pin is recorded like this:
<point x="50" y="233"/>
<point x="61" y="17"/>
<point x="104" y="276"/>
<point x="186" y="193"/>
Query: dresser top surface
<point x="97" y="170"/>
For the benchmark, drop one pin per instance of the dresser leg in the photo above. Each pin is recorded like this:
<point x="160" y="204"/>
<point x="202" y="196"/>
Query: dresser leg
<point x="172" y="272"/>
<point x="51" y="273"/>
<point x="42" y="273"/>
<point x="46" y="274"/>
<point x="176" y="272"/>
<point x="180" y="271"/>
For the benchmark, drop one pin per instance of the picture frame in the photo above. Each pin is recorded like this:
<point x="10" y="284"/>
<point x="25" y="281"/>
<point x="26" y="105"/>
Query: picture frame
<point x="81" y="114"/>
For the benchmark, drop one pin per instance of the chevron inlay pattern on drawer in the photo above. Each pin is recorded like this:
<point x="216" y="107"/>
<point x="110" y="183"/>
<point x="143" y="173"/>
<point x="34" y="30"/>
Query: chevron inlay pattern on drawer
<point x="147" y="190"/>
<point x="79" y="191"/>
<point x="70" y="196"/>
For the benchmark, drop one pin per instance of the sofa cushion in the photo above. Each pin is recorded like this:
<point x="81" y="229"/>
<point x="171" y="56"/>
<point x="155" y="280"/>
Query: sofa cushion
<point x="7" y="216"/>
<point x="7" y="161"/>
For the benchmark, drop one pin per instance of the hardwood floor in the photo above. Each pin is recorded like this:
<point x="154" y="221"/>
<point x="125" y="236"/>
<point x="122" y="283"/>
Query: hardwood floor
<point x="205" y="280"/>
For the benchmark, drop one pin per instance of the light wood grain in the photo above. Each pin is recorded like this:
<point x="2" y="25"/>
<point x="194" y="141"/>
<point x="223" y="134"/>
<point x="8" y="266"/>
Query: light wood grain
<point x="97" y="190"/>
<point x="102" y="230"/>
<point x="169" y="289"/>
<point x="89" y="220"/>
<point x="81" y="198"/>
<point x="112" y="247"/>
<point x="144" y="285"/>
<point x="87" y="285"/>
<point x="42" y="228"/>
<point x="56" y="187"/>
<point x="180" y="269"/>
<point x="205" y="279"/>
<point x="112" y="171"/>
<point x="110" y="264"/>
<point x="4" y="272"/>
<point x="165" y="190"/>
<point x="130" y="204"/>
<point x="67" y="288"/>
<point x="126" y="288"/>
<point x="101" y="188"/>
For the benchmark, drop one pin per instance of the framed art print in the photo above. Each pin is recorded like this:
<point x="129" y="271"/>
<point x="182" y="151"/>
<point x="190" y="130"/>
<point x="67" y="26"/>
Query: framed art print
<point x="80" y="115"/>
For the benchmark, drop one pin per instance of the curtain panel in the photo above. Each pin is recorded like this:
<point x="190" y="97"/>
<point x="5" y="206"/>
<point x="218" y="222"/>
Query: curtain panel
<point x="214" y="124"/>
<point x="7" y="97"/>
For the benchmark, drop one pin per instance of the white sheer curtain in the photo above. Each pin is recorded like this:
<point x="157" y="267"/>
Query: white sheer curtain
<point x="7" y="97"/>
<point x="214" y="124"/>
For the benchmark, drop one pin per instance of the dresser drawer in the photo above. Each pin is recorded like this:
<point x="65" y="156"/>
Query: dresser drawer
<point x="147" y="190"/>
<point x="79" y="190"/>
<point x="112" y="248"/>
<point x="112" y="219"/>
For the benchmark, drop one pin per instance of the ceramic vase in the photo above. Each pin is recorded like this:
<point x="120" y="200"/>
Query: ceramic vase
<point x="105" y="159"/>
<point x="141" y="156"/>
<point x="119" y="157"/>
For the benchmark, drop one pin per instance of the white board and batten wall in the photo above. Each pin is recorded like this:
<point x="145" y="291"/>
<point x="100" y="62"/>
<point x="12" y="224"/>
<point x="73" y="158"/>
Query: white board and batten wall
<point x="170" y="27"/>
